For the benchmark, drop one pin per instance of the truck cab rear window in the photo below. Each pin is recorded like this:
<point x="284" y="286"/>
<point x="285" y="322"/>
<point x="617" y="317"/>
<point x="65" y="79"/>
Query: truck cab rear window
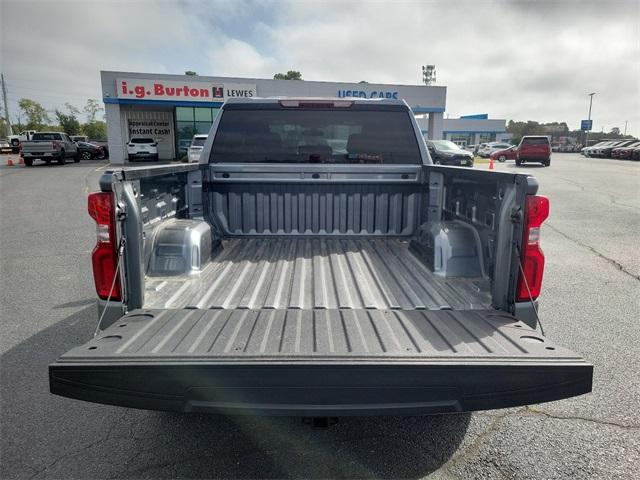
<point x="46" y="136"/>
<point x="315" y="136"/>
<point x="535" y="141"/>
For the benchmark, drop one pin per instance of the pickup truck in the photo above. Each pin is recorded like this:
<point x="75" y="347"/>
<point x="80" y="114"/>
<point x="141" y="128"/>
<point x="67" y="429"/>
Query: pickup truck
<point x="15" y="140"/>
<point x="316" y="263"/>
<point x="49" y="146"/>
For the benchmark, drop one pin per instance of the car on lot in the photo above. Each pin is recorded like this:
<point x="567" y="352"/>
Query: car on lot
<point x="534" y="148"/>
<point x="586" y="151"/>
<point x="507" y="154"/>
<point x="5" y="147"/>
<point x="183" y="146"/>
<point x="79" y="138"/>
<point x="350" y="276"/>
<point x="195" y="149"/>
<point x="142" y="148"/>
<point x="89" y="151"/>
<point x="444" y="152"/>
<point x="489" y="148"/>
<point x="636" y="154"/>
<point x="605" y="151"/>
<point x="49" y="146"/>
<point x="625" y="152"/>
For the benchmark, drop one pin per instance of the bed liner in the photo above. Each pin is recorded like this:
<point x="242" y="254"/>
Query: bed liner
<point x="317" y="273"/>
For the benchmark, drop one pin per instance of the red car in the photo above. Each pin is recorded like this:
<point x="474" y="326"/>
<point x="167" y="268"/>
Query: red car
<point x="624" y="152"/>
<point x="534" y="148"/>
<point x="507" y="154"/>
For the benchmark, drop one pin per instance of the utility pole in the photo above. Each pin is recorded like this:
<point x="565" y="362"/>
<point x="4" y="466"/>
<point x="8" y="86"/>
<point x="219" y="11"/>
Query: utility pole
<point x="6" y="109"/>
<point x="625" y="127"/>
<point x="586" y="140"/>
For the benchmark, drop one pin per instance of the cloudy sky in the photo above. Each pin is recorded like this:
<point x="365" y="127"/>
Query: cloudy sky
<point x="521" y="60"/>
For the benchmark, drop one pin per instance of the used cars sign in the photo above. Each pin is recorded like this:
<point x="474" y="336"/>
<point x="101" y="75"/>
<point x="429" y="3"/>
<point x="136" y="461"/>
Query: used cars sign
<point x="149" y="89"/>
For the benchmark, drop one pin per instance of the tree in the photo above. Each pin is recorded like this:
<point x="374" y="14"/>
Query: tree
<point x="615" y="131"/>
<point x="91" y="109"/>
<point x="69" y="123"/>
<point x="36" y="114"/>
<point x="191" y="73"/>
<point x="95" y="130"/>
<point x="290" y="75"/>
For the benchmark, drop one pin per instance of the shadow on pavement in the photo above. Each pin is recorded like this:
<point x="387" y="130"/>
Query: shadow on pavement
<point x="44" y="435"/>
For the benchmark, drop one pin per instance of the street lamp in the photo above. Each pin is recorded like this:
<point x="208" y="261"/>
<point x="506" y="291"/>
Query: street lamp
<point x="586" y="140"/>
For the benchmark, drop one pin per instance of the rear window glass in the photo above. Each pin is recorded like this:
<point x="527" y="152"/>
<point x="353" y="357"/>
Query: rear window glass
<point x="302" y="135"/>
<point x="46" y="136"/>
<point x="141" y="140"/>
<point x="535" y="141"/>
<point x="198" y="142"/>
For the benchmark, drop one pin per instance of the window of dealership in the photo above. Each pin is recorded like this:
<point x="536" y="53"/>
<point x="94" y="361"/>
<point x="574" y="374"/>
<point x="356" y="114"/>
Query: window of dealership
<point x="190" y="121"/>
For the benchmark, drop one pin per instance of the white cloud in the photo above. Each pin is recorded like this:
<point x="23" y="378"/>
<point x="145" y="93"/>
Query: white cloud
<point x="519" y="60"/>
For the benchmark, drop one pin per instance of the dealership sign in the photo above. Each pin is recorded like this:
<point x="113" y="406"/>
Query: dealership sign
<point x="368" y="94"/>
<point x="177" y="90"/>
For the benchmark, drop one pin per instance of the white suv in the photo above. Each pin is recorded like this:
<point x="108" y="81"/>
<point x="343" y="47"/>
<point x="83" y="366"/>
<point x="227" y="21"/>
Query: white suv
<point x="195" y="149"/>
<point x="142" y="148"/>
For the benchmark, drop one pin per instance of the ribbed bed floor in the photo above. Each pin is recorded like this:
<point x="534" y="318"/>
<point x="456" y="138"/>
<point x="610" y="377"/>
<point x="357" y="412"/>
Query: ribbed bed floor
<point x="315" y="274"/>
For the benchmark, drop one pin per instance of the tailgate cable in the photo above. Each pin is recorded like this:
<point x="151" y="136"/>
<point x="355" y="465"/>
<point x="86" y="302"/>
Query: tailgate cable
<point x="526" y="284"/>
<point x="113" y="283"/>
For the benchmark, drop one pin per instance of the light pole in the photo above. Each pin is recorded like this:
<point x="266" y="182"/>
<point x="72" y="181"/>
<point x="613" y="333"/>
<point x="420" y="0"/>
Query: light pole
<point x="586" y="140"/>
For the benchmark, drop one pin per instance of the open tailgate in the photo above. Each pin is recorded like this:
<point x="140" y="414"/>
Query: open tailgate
<point x="319" y="362"/>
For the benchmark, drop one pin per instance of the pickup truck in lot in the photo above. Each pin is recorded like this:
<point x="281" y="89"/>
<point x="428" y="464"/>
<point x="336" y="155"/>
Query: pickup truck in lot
<point x="49" y="146"/>
<point x="316" y="263"/>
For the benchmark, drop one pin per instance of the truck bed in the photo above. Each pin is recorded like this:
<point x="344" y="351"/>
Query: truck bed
<point x="319" y="273"/>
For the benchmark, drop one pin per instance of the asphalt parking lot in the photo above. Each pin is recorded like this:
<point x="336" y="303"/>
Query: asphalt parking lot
<point x="590" y="303"/>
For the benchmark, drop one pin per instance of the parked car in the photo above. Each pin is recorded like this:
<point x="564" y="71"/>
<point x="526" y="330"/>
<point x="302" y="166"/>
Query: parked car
<point x="471" y="148"/>
<point x="142" y="148"/>
<point x="625" y="152"/>
<point x="587" y="151"/>
<point x="79" y="138"/>
<point x="605" y="151"/>
<point x="507" y="154"/>
<point x="49" y="146"/>
<point x="183" y="146"/>
<point x="444" y="152"/>
<point x="534" y="148"/>
<point x="195" y="149"/>
<point x="293" y="279"/>
<point x="89" y="151"/>
<point x="5" y="147"/>
<point x="102" y="144"/>
<point x="636" y="154"/>
<point x="491" y="147"/>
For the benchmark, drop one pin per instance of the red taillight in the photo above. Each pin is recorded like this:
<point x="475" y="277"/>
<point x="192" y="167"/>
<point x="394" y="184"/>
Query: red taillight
<point x="532" y="258"/>
<point x="105" y="256"/>
<point x="55" y="144"/>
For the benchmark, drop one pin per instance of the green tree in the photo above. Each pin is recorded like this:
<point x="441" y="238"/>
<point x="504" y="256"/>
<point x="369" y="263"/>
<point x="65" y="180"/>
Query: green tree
<point x="68" y="122"/>
<point x="95" y="130"/>
<point x="615" y="131"/>
<point x="91" y="109"/>
<point x="36" y="114"/>
<point x="191" y="73"/>
<point x="290" y="75"/>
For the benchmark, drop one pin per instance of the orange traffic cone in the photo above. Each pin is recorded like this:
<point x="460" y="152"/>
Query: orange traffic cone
<point x="10" y="162"/>
<point x="20" y="161"/>
<point x="490" y="163"/>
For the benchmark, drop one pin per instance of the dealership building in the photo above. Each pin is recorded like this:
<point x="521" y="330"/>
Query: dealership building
<point x="172" y="108"/>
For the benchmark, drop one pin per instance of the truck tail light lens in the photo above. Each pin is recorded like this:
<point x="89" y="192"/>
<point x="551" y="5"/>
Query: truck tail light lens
<point x="532" y="258"/>
<point x="56" y="145"/>
<point x="104" y="258"/>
